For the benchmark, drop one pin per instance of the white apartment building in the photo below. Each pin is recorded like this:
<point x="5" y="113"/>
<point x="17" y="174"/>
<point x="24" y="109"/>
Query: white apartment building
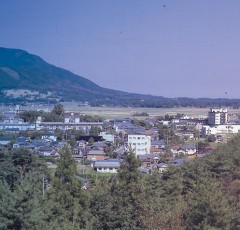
<point x="217" y="117"/>
<point x="140" y="143"/>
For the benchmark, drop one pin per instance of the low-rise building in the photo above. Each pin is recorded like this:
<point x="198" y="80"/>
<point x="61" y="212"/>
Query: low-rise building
<point x="106" y="166"/>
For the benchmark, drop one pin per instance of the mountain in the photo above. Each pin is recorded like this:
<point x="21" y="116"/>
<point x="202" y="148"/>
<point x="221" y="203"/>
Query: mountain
<point x="20" y="70"/>
<point x="27" y="77"/>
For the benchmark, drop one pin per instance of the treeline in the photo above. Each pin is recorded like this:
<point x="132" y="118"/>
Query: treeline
<point x="56" y="115"/>
<point x="201" y="194"/>
<point x="162" y="102"/>
<point x="131" y="100"/>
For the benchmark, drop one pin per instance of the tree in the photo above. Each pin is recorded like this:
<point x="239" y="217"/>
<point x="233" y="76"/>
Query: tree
<point x="23" y="160"/>
<point x="91" y="141"/>
<point x="94" y="131"/>
<point x="58" y="110"/>
<point x="59" y="133"/>
<point x="66" y="204"/>
<point x="30" y="116"/>
<point x="208" y="207"/>
<point x="56" y="115"/>
<point x="122" y="208"/>
<point x="211" y="138"/>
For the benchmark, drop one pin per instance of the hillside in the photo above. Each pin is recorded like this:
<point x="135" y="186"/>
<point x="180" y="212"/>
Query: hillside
<point x="21" y="70"/>
<point x="26" y="77"/>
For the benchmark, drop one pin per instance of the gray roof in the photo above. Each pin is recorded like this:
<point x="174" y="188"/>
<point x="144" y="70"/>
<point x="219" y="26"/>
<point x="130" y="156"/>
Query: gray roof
<point x="99" y="144"/>
<point x="95" y="152"/>
<point x="46" y="148"/>
<point x="148" y="156"/>
<point x="107" y="164"/>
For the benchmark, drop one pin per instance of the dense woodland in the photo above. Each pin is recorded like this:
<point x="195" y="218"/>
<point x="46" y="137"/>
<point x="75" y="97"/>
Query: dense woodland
<point x="201" y="194"/>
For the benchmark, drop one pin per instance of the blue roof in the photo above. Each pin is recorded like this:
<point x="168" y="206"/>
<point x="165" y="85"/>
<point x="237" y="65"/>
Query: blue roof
<point x="159" y="142"/>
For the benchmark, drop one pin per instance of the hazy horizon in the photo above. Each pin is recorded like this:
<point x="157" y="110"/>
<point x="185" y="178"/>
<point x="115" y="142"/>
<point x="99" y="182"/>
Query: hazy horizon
<point x="157" y="47"/>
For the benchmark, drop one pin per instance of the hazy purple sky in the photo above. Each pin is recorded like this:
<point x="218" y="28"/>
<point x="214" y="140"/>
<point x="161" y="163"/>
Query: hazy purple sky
<point x="171" y="48"/>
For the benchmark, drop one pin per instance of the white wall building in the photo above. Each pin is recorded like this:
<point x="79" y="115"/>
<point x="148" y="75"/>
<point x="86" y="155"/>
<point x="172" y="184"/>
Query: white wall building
<point x="106" y="166"/>
<point x="107" y="136"/>
<point x="221" y="129"/>
<point x="40" y="125"/>
<point x="217" y="117"/>
<point x="141" y="144"/>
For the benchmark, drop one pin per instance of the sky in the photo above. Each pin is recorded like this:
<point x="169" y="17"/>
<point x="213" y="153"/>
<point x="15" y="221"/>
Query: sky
<point x="170" y="48"/>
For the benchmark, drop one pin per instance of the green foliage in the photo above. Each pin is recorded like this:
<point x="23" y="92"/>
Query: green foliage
<point x="65" y="203"/>
<point x="66" y="166"/>
<point x="91" y="141"/>
<point x="89" y="118"/>
<point x="211" y="138"/>
<point x="21" y="191"/>
<point x="94" y="131"/>
<point x="201" y="194"/>
<point x="208" y="207"/>
<point x="30" y="116"/>
<point x="121" y="208"/>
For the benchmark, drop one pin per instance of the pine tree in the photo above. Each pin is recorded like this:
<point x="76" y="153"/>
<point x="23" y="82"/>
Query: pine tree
<point x="66" y="204"/>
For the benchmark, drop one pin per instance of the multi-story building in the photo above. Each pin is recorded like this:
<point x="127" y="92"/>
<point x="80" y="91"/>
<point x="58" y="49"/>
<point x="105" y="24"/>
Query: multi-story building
<point x="217" y="117"/>
<point x="40" y="125"/>
<point x="139" y="143"/>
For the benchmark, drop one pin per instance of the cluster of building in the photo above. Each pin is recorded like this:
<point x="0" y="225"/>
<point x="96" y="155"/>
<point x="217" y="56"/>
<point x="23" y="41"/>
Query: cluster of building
<point x="123" y="136"/>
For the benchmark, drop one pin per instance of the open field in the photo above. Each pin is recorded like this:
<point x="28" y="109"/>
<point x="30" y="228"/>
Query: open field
<point x="112" y="113"/>
<point x="122" y="112"/>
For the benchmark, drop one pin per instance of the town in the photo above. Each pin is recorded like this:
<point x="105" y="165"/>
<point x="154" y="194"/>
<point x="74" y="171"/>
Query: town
<point x="98" y="145"/>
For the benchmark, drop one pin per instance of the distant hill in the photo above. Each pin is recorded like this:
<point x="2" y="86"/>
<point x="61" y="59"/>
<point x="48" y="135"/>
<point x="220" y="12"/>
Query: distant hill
<point x="26" y="77"/>
<point x="20" y="70"/>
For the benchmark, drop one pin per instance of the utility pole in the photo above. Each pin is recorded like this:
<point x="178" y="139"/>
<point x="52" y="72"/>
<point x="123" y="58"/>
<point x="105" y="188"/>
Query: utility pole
<point x="43" y="185"/>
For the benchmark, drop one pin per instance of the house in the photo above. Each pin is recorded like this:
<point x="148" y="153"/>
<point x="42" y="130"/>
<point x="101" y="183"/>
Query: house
<point x="49" y="136"/>
<point x="148" y="160"/>
<point x="158" y="144"/>
<point x="78" y="150"/>
<point x="106" y="166"/>
<point x="94" y="155"/>
<point x="6" y="140"/>
<point x="99" y="145"/>
<point x="185" y="150"/>
<point x="174" y="149"/>
<point x="189" y="149"/>
<point x="156" y="150"/>
<point x="162" y="167"/>
<point x="186" y="134"/>
<point x="46" y="151"/>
